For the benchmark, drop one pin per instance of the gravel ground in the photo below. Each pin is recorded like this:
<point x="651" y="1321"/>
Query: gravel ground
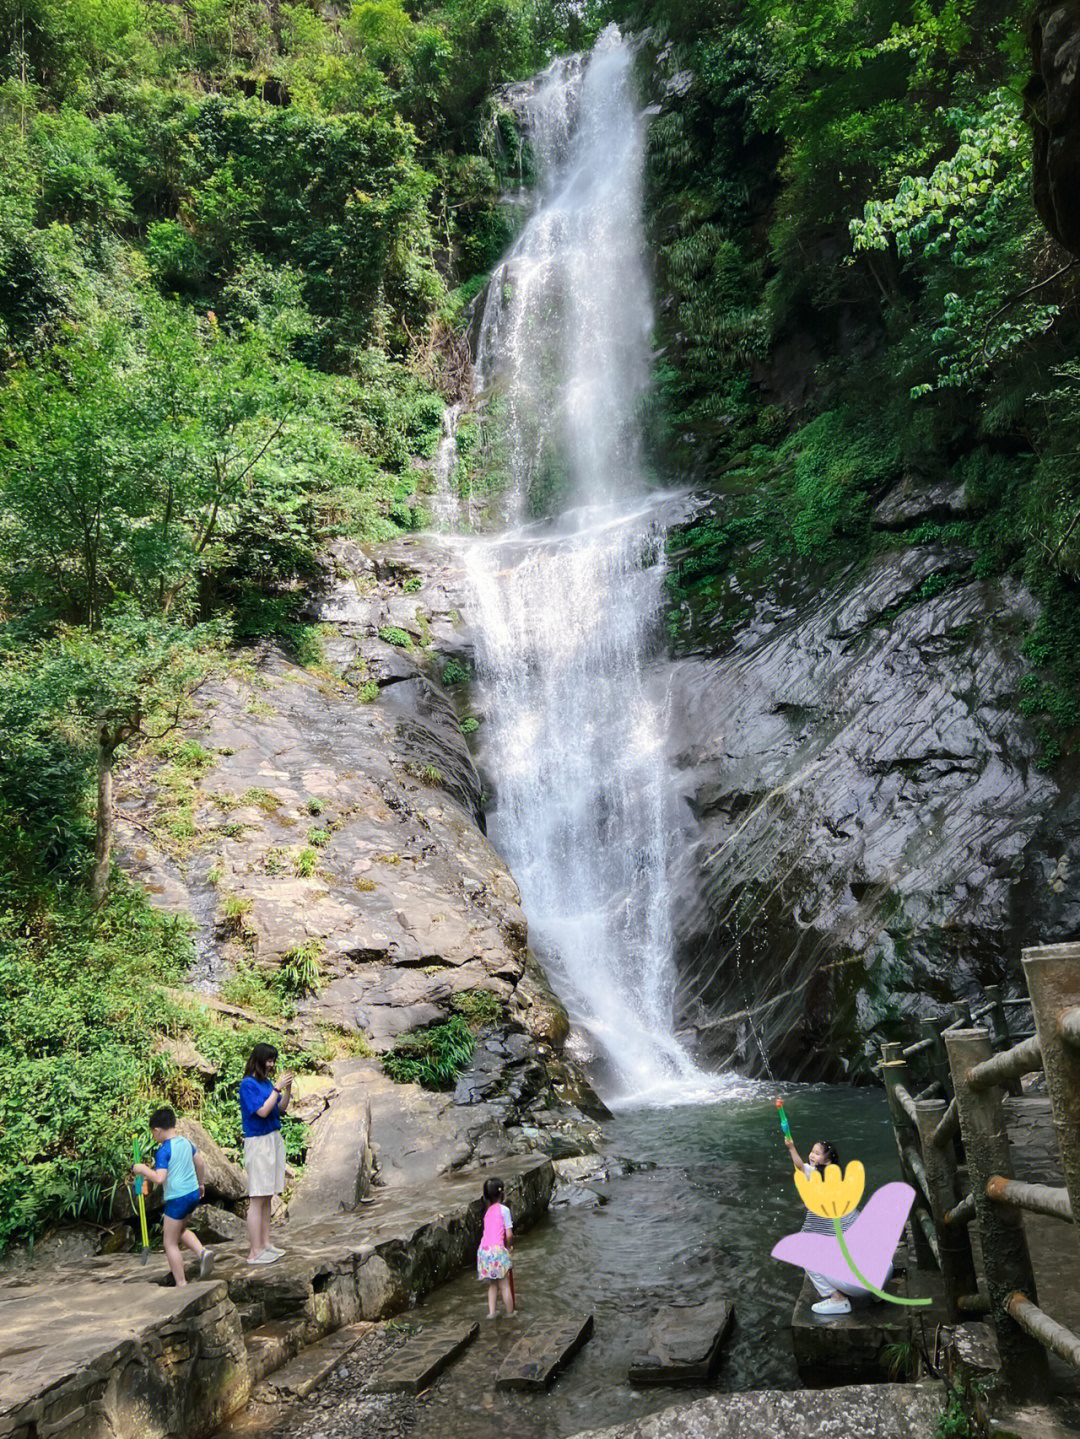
<point x="338" y="1408"/>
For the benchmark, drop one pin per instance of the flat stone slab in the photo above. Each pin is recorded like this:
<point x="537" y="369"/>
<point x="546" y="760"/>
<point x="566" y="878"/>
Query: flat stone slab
<point x="72" y="1354"/>
<point x="858" y="1411"/>
<point x="307" y="1371"/>
<point x="543" y="1352"/>
<point x="682" y="1344"/>
<point x="413" y="1366"/>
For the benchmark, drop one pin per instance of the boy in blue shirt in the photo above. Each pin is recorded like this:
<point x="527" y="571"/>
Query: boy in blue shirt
<point x="182" y="1170"/>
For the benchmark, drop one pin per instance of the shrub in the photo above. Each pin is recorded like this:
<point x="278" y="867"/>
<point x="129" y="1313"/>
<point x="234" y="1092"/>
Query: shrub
<point x="305" y="863"/>
<point x="478" y="1006"/>
<point x="301" y="971"/>
<point x="318" y="837"/>
<point x="393" y="636"/>
<point x="455" y="674"/>
<point x="368" y="691"/>
<point x="431" y="1057"/>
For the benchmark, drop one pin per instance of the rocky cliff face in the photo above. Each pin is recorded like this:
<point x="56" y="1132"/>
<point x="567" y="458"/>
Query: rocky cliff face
<point x="332" y="815"/>
<point x="869" y="835"/>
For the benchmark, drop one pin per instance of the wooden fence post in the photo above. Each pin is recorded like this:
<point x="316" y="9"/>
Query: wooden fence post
<point x="1053" y="979"/>
<point x="954" y="1242"/>
<point x="1006" y="1261"/>
<point x="997" y="1022"/>
<point x="895" y="1072"/>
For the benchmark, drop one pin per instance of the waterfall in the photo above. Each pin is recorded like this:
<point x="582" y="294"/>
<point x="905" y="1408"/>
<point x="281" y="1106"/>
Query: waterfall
<point x="569" y="607"/>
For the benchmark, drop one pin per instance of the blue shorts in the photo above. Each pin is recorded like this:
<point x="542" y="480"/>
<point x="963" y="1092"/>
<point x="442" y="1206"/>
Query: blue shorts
<point x="182" y="1207"/>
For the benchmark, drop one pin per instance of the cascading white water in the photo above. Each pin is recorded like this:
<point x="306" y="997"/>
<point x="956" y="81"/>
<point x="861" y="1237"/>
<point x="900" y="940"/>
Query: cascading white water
<point x="568" y="610"/>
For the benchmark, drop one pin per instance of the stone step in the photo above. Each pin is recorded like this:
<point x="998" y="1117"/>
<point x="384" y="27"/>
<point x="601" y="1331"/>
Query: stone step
<point x="682" y="1344"/>
<point x="297" y="1378"/>
<point x="857" y="1345"/>
<point x="425" y="1356"/>
<point x="272" y="1345"/>
<point x="543" y="1351"/>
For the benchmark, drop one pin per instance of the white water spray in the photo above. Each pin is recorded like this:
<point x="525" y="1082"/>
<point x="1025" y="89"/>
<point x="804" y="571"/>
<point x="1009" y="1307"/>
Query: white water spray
<point x="569" y="610"/>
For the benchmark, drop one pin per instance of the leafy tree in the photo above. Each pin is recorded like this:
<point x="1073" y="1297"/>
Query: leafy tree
<point x="130" y="680"/>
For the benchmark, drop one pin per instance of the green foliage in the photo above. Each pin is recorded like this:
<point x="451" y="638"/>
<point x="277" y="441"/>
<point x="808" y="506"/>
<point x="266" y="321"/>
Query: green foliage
<point x="470" y="724"/>
<point x="431" y="1057"/>
<point x="857" y="288"/>
<point x="301" y="970"/>
<point x="455" y="673"/>
<point x="394" y="636"/>
<point x="318" y="837"/>
<point x="368" y="692"/>
<point x="307" y="861"/>
<point x="478" y="1006"/>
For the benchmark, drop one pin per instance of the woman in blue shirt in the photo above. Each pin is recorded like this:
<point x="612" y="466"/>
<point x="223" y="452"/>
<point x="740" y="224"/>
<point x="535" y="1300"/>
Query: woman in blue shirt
<point x="262" y="1103"/>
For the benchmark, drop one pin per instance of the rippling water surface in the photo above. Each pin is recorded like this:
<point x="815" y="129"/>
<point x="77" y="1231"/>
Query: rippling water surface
<point x="697" y="1226"/>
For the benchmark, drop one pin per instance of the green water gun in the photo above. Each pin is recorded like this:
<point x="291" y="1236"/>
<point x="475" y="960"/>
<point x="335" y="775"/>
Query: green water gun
<point x="784" y="1125"/>
<point x="140" y="1185"/>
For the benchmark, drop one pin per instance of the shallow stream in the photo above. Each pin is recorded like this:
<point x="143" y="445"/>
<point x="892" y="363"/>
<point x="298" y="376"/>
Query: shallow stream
<point x="699" y="1225"/>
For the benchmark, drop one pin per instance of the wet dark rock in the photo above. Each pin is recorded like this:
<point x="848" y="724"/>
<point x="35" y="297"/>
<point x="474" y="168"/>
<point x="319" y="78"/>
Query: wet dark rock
<point x="912" y="502"/>
<point x="1053" y="98"/>
<point x="869" y="836"/>
<point x="682" y="1344"/>
<point x="577" y="1196"/>
<point x="214" y="1225"/>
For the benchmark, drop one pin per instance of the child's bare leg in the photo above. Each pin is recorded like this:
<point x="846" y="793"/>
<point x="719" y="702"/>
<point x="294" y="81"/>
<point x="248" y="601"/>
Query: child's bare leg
<point x="255" y="1225"/>
<point x="172" y="1228"/>
<point x="193" y="1242"/>
<point x="493" y="1298"/>
<point x="507" y="1297"/>
<point x="267" y="1202"/>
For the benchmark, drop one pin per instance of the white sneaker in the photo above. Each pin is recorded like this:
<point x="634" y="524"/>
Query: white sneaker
<point x="832" y="1306"/>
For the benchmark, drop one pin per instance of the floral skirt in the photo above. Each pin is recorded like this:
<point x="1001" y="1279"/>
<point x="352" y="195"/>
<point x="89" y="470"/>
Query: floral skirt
<point x="493" y="1263"/>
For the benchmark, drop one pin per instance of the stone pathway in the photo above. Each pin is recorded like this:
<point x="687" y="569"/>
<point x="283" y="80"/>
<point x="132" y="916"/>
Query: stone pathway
<point x="108" y="1349"/>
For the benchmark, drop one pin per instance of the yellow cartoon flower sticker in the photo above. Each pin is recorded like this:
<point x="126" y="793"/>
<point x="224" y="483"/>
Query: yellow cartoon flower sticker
<point x="832" y="1194"/>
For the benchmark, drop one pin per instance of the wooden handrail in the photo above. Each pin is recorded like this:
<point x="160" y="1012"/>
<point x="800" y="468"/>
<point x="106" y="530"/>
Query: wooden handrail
<point x="1009" y="1064"/>
<point x="1035" y="1198"/>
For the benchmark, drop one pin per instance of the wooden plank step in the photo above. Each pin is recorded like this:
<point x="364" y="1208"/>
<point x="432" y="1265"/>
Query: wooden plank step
<point x="297" y="1378"/>
<point x="543" y="1352"/>
<point x="425" y="1356"/>
<point x="682" y="1344"/>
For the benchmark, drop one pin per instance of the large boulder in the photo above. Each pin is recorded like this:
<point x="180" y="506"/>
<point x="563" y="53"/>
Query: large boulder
<point x="224" y="1179"/>
<point x="1053" y="99"/>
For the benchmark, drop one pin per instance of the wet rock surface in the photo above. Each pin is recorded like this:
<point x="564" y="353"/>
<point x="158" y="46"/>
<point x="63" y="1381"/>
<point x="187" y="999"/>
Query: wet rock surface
<point x="868" y="1411"/>
<point x="1053" y="98"/>
<point x="869" y="834"/>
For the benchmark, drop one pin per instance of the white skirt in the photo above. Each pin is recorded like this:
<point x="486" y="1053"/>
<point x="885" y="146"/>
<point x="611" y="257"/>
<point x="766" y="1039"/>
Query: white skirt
<point x="264" y="1161"/>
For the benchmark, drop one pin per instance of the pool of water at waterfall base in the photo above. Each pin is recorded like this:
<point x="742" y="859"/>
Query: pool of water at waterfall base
<point x="698" y="1225"/>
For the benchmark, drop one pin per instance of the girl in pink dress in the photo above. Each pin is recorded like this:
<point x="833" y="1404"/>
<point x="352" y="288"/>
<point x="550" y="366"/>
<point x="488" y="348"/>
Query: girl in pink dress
<point x="493" y="1258"/>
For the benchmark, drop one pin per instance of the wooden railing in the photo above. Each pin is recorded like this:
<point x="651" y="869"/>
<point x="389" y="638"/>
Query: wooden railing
<point x="955" y="1152"/>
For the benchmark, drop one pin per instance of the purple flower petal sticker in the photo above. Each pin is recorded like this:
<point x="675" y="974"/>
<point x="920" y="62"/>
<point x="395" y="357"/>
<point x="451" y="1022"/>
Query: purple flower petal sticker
<point x="871" y="1240"/>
